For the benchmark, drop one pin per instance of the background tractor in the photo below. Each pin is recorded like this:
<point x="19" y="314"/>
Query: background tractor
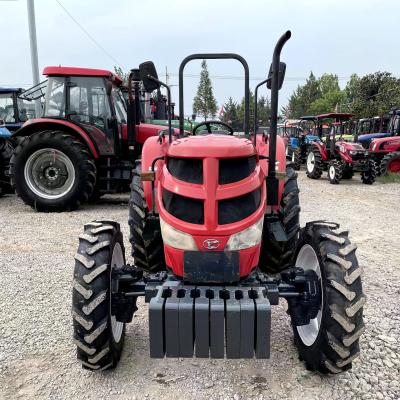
<point x="308" y="131"/>
<point x="85" y="143"/>
<point x="14" y="112"/>
<point x="385" y="147"/>
<point x="339" y="157"/>
<point x="214" y="222"/>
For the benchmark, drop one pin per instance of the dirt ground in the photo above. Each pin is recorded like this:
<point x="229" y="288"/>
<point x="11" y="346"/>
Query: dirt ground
<point x="37" y="356"/>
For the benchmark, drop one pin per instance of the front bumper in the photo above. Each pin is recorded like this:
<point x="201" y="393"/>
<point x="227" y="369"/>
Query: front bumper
<point x="216" y="322"/>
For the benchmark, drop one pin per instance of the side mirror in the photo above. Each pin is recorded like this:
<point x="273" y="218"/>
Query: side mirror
<point x="109" y="87"/>
<point x="149" y="77"/>
<point x="281" y="75"/>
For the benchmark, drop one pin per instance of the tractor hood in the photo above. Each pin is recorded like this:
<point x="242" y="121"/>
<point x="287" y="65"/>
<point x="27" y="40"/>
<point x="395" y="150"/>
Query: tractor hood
<point x="369" y="136"/>
<point x="216" y="146"/>
<point x="350" y="146"/>
<point x="312" y="138"/>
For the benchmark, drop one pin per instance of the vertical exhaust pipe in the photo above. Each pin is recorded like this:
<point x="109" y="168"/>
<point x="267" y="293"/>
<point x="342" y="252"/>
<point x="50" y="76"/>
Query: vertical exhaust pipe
<point x="272" y="181"/>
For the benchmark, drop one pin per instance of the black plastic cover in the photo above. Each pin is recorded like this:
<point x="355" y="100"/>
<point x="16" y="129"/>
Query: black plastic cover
<point x="237" y="208"/>
<point x="235" y="169"/>
<point x="184" y="208"/>
<point x="186" y="169"/>
<point x="211" y="266"/>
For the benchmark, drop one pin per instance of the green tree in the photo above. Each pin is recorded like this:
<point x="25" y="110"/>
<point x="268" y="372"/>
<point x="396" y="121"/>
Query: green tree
<point x="230" y="115"/>
<point x="302" y="98"/>
<point x="331" y="97"/>
<point x="374" y="94"/>
<point x="123" y="75"/>
<point x="204" y="103"/>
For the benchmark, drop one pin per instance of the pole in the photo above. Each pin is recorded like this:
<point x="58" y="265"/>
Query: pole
<point x="34" y="53"/>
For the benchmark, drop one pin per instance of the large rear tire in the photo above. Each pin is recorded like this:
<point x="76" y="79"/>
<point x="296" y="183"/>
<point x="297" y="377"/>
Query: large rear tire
<point x="52" y="171"/>
<point x="329" y="343"/>
<point x="6" y="151"/>
<point x="149" y="253"/>
<point x="99" y="337"/>
<point x="390" y="164"/>
<point x="314" y="164"/>
<point x="276" y="256"/>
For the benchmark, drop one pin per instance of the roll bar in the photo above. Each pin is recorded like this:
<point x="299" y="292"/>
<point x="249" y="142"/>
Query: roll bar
<point x="215" y="56"/>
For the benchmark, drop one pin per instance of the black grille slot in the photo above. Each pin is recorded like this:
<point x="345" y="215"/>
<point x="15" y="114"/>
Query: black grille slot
<point x="184" y="208"/>
<point x="235" y="169"/>
<point x="186" y="169"/>
<point x="238" y="208"/>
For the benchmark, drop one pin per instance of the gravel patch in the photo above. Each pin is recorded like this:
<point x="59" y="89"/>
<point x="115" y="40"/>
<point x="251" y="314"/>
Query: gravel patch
<point x="37" y="356"/>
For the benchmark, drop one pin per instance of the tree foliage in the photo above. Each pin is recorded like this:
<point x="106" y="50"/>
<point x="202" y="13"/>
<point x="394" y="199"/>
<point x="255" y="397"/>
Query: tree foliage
<point x="204" y="103"/>
<point x="234" y="112"/>
<point x="367" y="96"/>
<point x="123" y="75"/>
<point x="373" y="94"/>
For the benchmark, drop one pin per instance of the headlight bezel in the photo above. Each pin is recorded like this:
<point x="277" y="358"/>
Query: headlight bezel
<point x="177" y="239"/>
<point x="246" y="238"/>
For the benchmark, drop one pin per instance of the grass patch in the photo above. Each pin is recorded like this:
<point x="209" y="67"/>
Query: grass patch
<point x="389" y="178"/>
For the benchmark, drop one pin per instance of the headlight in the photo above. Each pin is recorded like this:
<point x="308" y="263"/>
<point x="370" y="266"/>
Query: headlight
<point x="352" y="152"/>
<point x="175" y="238"/>
<point x="248" y="238"/>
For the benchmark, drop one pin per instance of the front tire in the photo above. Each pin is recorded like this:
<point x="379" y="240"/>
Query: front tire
<point x="98" y="336"/>
<point x="148" y="253"/>
<point x="314" y="164"/>
<point x="368" y="177"/>
<point x="297" y="160"/>
<point x="276" y="256"/>
<point x="335" y="172"/>
<point x="329" y="343"/>
<point x="52" y="171"/>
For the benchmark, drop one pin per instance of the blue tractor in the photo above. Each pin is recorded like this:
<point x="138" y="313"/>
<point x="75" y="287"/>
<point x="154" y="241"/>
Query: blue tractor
<point x="392" y="129"/>
<point x="299" y="138"/>
<point x="15" y="110"/>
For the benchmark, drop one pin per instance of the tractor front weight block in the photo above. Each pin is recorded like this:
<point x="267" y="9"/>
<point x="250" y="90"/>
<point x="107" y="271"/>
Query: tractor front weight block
<point x="213" y="321"/>
<point x="216" y="322"/>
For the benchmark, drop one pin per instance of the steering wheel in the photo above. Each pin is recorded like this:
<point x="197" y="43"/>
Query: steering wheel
<point x="208" y="126"/>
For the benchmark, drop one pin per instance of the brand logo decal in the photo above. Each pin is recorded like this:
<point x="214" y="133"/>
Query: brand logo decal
<point x="211" y="244"/>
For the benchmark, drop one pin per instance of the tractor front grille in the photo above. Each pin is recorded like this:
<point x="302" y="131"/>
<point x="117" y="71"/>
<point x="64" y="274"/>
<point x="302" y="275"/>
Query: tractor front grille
<point x="186" y="169"/>
<point x="235" y="169"/>
<point x="238" y="208"/>
<point x="184" y="208"/>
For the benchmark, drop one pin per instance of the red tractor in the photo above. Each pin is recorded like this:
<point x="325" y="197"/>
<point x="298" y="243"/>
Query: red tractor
<point x="85" y="143"/>
<point x="214" y="222"/>
<point x="339" y="157"/>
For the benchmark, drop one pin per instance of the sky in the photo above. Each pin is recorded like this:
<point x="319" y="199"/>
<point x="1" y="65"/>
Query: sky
<point x="328" y="36"/>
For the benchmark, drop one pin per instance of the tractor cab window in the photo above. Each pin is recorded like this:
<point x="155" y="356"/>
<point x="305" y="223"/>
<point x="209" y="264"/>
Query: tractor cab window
<point x="396" y="125"/>
<point x="119" y="105"/>
<point x="7" y="108"/>
<point x="55" y="97"/>
<point x="88" y="101"/>
<point x="26" y="110"/>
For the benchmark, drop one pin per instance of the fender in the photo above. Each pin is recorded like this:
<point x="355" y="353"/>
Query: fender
<point x="41" y="124"/>
<point x="151" y="150"/>
<point x="4" y="132"/>
<point x="322" y="149"/>
<point x="263" y="149"/>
